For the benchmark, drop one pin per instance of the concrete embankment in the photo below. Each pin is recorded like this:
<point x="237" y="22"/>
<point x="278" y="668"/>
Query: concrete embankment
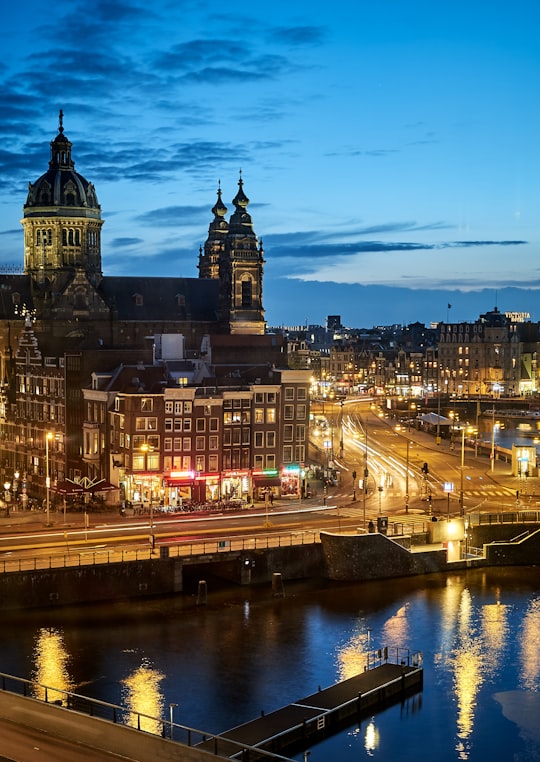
<point x="340" y="557"/>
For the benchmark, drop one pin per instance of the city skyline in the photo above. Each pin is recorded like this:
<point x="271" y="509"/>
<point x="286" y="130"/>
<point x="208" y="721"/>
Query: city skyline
<point x="390" y="156"/>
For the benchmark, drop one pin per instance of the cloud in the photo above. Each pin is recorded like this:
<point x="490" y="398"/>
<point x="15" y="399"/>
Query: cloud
<point x="122" y="243"/>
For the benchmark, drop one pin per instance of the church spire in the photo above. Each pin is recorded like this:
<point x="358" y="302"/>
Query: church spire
<point x="213" y="247"/>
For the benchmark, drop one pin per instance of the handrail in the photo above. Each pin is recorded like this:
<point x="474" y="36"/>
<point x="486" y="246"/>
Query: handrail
<point x="130" y="718"/>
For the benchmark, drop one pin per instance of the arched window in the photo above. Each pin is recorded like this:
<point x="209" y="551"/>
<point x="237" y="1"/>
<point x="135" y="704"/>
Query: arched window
<point x="247" y="294"/>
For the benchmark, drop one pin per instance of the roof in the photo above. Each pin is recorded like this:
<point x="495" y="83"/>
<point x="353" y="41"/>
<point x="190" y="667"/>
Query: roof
<point x="434" y="419"/>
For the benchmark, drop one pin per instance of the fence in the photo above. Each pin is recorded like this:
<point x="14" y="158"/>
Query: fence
<point x="166" y="550"/>
<point x="130" y="718"/>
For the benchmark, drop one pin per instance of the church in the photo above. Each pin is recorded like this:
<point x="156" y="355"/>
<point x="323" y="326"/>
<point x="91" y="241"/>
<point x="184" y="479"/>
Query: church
<point x="65" y="327"/>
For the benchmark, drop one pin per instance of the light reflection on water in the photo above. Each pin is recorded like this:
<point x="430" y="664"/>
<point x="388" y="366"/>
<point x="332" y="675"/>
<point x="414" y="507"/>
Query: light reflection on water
<point x="51" y="661"/>
<point x="142" y="696"/>
<point x="247" y="651"/>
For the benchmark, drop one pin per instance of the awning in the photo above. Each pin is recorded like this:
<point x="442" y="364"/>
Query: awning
<point x="179" y="482"/>
<point x="266" y="481"/>
<point x="100" y="486"/>
<point x="67" y="487"/>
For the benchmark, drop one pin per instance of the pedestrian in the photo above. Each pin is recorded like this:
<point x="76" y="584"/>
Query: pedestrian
<point x="271" y="498"/>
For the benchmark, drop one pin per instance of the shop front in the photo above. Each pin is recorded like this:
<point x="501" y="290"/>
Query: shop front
<point x="179" y="488"/>
<point x="292" y="481"/>
<point x="235" y="485"/>
<point x="266" y="482"/>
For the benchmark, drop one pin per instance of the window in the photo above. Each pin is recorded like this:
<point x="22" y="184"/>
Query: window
<point x="187" y="424"/>
<point x="178" y="408"/>
<point x="177" y="443"/>
<point x="289" y="393"/>
<point x="186" y="444"/>
<point x="213" y="443"/>
<point x="178" y="424"/>
<point x="167" y="463"/>
<point x="270" y="461"/>
<point x="167" y="444"/>
<point x="259" y="415"/>
<point x="199" y="443"/>
<point x="214" y="424"/>
<point x="168" y="424"/>
<point x="288" y="412"/>
<point x="188" y="406"/>
<point x="153" y="441"/>
<point x="200" y="424"/>
<point x="288" y="433"/>
<point x="213" y="463"/>
<point x="152" y="461"/>
<point x="287" y="454"/>
<point x="138" y="441"/>
<point x="270" y="438"/>
<point x="258" y="462"/>
<point x="147" y="404"/>
<point x="138" y="463"/>
<point x="146" y="424"/>
<point x="300" y="432"/>
<point x="271" y="398"/>
<point x="270" y="415"/>
<point x="169" y="407"/>
<point x="301" y="393"/>
<point x="301" y="411"/>
<point x="259" y="398"/>
<point x="259" y="439"/>
<point x="199" y="463"/>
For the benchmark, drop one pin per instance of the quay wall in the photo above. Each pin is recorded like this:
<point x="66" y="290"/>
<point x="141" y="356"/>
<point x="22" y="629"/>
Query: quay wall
<point x="339" y="557"/>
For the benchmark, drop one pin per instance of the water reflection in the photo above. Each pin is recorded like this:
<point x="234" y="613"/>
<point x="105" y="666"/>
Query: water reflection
<point x="51" y="661"/>
<point x="529" y="653"/>
<point x="142" y="696"/>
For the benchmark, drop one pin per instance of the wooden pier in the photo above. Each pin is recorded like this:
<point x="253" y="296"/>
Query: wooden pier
<point x="292" y="728"/>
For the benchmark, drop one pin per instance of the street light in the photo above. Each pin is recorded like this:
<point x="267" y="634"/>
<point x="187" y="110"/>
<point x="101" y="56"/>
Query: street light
<point x="48" y="437"/>
<point x="171" y="708"/>
<point x="493" y="439"/>
<point x="146" y="448"/>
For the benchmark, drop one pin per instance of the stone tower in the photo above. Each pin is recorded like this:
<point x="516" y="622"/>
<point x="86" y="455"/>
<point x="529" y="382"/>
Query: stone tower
<point x="241" y="272"/>
<point x="62" y="223"/>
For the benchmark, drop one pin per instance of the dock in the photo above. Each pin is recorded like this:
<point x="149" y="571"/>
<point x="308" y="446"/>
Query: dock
<point x="292" y="728"/>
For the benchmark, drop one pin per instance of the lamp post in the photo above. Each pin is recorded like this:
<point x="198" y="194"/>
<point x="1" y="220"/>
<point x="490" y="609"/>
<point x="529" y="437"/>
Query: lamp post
<point x="7" y="495"/>
<point x="145" y="448"/>
<point x="171" y="708"/>
<point x="493" y="439"/>
<point x="407" y="478"/>
<point x="461" y="509"/>
<point x="48" y="437"/>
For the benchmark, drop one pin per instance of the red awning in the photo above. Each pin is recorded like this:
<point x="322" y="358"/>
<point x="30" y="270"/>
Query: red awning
<point x="67" y="487"/>
<point x="100" y="486"/>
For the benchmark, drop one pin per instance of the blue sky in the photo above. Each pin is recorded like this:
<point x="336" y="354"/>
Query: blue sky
<point x="390" y="149"/>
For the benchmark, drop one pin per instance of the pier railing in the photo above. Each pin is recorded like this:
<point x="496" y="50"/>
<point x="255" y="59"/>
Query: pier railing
<point x="157" y="726"/>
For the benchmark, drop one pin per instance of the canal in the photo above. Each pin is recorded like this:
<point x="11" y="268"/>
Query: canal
<point x="247" y="652"/>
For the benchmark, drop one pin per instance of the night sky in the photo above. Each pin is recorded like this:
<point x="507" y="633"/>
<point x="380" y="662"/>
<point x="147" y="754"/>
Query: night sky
<point x="390" y="150"/>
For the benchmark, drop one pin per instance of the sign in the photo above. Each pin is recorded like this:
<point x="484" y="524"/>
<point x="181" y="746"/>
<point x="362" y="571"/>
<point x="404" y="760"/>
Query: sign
<point x="448" y="486"/>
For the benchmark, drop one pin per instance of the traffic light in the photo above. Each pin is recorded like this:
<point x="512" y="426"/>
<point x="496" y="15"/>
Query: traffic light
<point x="425" y="469"/>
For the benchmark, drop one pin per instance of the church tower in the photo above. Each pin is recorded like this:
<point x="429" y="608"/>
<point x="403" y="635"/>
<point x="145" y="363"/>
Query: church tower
<point x="62" y="223"/>
<point x="215" y="243"/>
<point x="241" y="272"/>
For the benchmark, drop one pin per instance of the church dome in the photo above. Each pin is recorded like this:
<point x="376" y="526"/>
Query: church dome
<point x="61" y="185"/>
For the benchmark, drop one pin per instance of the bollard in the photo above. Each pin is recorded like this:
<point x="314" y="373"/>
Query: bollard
<point x="277" y="585"/>
<point x="202" y="593"/>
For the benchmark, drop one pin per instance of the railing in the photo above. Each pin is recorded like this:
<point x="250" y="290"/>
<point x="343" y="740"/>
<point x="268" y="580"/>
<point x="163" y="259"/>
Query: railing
<point x="173" y="550"/>
<point x="504" y="517"/>
<point x="119" y="715"/>
<point x="393" y="655"/>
